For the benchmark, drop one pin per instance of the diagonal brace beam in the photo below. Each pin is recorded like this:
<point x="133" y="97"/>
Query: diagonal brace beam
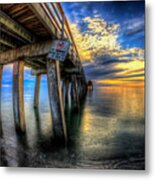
<point x="15" y="27"/>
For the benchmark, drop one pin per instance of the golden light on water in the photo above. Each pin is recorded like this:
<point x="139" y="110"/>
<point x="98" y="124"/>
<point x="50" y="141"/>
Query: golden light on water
<point x="122" y="113"/>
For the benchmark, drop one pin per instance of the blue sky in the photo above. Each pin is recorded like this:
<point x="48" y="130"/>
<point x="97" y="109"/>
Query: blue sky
<point x="128" y="14"/>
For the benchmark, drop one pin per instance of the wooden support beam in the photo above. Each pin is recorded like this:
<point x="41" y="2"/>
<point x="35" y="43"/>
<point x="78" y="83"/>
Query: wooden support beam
<point x="38" y="71"/>
<point x="65" y="70"/>
<point x="7" y="42"/>
<point x="33" y="64"/>
<point x="55" y="99"/>
<point x="30" y="65"/>
<point x="67" y="25"/>
<point x="74" y="93"/>
<point x="83" y="88"/>
<point x="3" y="47"/>
<point x="13" y="35"/>
<point x="41" y="14"/>
<point x="63" y="89"/>
<point x="79" y="88"/>
<point x="15" y="27"/>
<point x="18" y="96"/>
<point x="28" y="51"/>
<point x="1" y="72"/>
<point x="37" y="91"/>
<point x="41" y="60"/>
<point x="66" y="90"/>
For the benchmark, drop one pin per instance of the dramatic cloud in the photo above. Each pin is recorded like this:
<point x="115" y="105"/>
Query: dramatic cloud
<point x="98" y="38"/>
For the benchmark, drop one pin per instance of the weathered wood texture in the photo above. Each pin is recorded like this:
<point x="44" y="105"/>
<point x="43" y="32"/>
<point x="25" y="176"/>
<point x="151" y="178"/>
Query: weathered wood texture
<point x="23" y="24"/>
<point x="37" y="91"/>
<point x="7" y="42"/>
<point x="18" y="96"/>
<point x="1" y="72"/>
<point x="63" y="91"/>
<point x="36" y="21"/>
<point x="15" y="27"/>
<point x="67" y="27"/>
<point x="55" y="99"/>
<point x="28" y="51"/>
<point x="42" y="14"/>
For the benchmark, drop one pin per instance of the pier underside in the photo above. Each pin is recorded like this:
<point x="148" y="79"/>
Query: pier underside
<point x="27" y="32"/>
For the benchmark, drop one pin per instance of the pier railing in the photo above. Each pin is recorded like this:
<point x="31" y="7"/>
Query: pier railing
<point x="57" y="16"/>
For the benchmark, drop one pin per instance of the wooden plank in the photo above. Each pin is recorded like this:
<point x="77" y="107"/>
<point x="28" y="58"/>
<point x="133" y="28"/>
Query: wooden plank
<point x="28" y="51"/>
<point x="56" y="12"/>
<point x="37" y="91"/>
<point x="1" y="72"/>
<point x="18" y="13"/>
<point x="52" y="17"/>
<point x="16" y="8"/>
<point x="7" y="42"/>
<point x="38" y="72"/>
<point x="13" y="35"/>
<point x="40" y="13"/>
<point x="15" y="27"/>
<point x="37" y="65"/>
<point x="55" y="16"/>
<point x="55" y="99"/>
<point x="18" y="96"/>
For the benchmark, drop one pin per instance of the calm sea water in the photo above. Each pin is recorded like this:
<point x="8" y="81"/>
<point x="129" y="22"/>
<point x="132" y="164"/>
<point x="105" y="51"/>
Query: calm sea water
<point x="107" y="133"/>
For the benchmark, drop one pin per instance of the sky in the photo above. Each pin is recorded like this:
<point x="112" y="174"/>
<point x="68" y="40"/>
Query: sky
<point x="110" y="40"/>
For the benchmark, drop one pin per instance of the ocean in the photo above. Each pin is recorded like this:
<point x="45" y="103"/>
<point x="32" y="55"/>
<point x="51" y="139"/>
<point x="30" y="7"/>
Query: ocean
<point x="107" y="133"/>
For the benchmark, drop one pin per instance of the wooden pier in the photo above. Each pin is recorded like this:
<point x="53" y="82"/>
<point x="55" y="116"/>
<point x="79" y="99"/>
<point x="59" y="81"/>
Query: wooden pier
<point x="27" y="32"/>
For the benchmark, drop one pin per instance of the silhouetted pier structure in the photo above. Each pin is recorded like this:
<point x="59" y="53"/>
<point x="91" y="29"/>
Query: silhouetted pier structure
<point x="26" y="34"/>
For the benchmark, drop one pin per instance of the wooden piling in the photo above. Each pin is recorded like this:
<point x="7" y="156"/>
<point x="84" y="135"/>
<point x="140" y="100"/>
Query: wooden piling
<point x="79" y="89"/>
<point x="63" y="91"/>
<point x="37" y="91"/>
<point x="67" y="89"/>
<point x="18" y="96"/>
<point x="55" y="99"/>
<point x="74" y="93"/>
<point x="1" y="72"/>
